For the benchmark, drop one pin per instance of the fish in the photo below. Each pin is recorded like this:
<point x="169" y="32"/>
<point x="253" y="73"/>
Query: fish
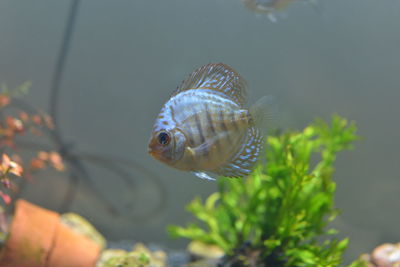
<point x="273" y="7"/>
<point x="266" y="5"/>
<point x="205" y="127"/>
<point x="269" y="7"/>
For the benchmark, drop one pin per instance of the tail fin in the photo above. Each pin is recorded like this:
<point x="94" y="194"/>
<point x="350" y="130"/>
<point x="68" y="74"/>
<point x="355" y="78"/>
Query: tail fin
<point x="264" y="113"/>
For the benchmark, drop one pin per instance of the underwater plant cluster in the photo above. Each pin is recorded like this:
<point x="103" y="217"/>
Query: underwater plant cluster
<point x="280" y="214"/>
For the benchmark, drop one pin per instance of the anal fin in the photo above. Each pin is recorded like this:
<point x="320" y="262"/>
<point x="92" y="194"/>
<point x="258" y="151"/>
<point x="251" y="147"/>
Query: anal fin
<point x="244" y="160"/>
<point x="204" y="176"/>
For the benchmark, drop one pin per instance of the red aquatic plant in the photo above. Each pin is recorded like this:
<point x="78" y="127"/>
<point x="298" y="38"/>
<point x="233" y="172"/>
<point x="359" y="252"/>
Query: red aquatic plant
<point x="15" y="122"/>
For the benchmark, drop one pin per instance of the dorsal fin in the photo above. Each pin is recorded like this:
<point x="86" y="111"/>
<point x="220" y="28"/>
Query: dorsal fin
<point x="219" y="77"/>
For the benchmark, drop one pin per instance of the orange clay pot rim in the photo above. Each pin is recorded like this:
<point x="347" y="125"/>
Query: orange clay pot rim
<point x="34" y="240"/>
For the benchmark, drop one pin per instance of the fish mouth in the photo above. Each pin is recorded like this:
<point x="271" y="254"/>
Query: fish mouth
<point x="152" y="153"/>
<point x="156" y="155"/>
<point x="151" y="147"/>
<point x="159" y="152"/>
<point x="153" y="150"/>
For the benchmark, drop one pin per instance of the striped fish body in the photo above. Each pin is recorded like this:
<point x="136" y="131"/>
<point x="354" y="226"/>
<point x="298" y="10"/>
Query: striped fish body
<point x="205" y="126"/>
<point x="214" y="127"/>
<point x="265" y="6"/>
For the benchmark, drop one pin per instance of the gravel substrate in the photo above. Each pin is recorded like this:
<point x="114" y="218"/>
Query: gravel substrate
<point x="176" y="258"/>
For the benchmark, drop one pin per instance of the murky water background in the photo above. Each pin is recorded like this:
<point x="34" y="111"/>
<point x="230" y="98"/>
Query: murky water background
<point x="125" y="58"/>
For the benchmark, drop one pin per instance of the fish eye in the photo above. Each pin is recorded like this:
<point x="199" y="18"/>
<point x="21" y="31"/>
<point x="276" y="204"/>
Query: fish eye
<point x="163" y="138"/>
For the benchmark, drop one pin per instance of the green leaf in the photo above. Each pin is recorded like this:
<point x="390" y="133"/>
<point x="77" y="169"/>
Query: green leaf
<point x="284" y="206"/>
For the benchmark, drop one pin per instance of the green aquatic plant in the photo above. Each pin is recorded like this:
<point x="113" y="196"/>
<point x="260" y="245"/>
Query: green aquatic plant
<point x="18" y="119"/>
<point x="279" y="215"/>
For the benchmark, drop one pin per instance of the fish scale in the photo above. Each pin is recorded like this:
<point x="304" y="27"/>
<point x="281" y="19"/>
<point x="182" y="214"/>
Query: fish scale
<point x="206" y="127"/>
<point x="192" y="118"/>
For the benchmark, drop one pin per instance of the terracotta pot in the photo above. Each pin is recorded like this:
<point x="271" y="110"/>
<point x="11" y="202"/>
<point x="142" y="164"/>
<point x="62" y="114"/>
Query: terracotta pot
<point x="37" y="238"/>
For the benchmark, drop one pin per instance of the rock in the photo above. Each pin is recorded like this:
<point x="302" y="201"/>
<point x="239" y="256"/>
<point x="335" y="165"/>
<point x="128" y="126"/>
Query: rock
<point x="139" y="256"/>
<point x="204" y="255"/>
<point x="200" y="250"/>
<point x="386" y="255"/>
<point x="81" y="226"/>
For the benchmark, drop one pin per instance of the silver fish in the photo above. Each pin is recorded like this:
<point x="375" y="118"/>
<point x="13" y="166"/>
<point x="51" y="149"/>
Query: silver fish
<point x="205" y="127"/>
<point x="269" y="7"/>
